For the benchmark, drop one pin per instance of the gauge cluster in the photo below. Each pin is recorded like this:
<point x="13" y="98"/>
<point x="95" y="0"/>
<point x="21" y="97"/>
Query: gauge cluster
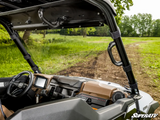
<point x="40" y="82"/>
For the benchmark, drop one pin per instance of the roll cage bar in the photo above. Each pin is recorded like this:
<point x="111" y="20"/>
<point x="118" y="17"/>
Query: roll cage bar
<point x="107" y="17"/>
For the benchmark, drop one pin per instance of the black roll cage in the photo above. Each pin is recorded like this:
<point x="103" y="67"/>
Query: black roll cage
<point x="109" y="19"/>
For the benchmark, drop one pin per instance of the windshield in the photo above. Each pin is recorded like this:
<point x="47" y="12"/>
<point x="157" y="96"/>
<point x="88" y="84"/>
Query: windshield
<point x="53" y="50"/>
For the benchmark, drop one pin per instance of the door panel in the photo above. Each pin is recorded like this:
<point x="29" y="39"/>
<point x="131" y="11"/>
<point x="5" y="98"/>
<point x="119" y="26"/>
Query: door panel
<point x="4" y="82"/>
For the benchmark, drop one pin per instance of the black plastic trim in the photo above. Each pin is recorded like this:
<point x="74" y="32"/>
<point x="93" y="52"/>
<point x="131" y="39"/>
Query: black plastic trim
<point x="127" y="68"/>
<point x="116" y="34"/>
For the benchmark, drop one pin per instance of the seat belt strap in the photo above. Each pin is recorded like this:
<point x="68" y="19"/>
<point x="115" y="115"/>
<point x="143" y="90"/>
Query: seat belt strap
<point x="2" y="110"/>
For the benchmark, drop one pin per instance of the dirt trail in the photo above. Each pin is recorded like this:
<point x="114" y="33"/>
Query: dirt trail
<point x="101" y="68"/>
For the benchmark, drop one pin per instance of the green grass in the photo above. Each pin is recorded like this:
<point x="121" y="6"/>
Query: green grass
<point x="151" y="59"/>
<point x="51" y="54"/>
<point x="55" y="52"/>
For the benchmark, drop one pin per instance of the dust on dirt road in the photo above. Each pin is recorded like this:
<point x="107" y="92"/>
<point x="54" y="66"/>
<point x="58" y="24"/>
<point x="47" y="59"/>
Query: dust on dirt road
<point x="101" y="67"/>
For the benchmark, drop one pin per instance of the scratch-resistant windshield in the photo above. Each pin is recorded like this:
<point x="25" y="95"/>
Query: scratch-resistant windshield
<point x="53" y="50"/>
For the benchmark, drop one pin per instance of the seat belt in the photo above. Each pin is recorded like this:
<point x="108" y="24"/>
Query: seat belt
<point x="2" y="110"/>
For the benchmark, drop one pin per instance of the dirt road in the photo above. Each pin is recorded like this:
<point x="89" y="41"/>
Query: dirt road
<point x="101" y="67"/>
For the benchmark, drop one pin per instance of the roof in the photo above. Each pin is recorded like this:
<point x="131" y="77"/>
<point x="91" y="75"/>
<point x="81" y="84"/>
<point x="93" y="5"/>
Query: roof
<point x="44" y="14"/>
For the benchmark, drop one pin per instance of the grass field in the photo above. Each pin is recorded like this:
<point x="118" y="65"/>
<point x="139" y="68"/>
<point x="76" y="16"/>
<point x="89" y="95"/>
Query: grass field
<point x="57" y="52"/>
<point x="151" y="59"/>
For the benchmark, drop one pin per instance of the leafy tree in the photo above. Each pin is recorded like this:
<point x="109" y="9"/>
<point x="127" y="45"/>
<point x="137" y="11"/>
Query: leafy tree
<point x="156" y="28"/>
<point x="84" y="31"/>
<point x="144" y="24"/>
<point x="65" y="32"/>
<point x="26" y="36"/>
<point x="91" y="31"/>
<point x="102" y="31"/>
<point x="137" y="25"/>
<point x="75" y="31"/>
<point x="126" y="26"/>
<point x="121" y="6"/>
<point x="149" y="24"/>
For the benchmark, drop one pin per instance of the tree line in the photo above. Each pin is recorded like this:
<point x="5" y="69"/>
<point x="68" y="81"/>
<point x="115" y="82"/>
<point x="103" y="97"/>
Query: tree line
<point x="140" y="25"/>
<point x="87" y="31"/>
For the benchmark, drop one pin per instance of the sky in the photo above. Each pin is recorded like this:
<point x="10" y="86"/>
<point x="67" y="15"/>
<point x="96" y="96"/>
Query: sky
<point x="145" y="6"/>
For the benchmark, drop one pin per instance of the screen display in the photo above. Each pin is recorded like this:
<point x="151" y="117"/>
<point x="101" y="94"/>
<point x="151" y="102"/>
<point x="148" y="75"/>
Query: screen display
<point x="40" y="82"/>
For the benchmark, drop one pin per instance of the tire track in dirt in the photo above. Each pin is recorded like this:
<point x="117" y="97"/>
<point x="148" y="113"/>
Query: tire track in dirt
<point x="101" y="67"/>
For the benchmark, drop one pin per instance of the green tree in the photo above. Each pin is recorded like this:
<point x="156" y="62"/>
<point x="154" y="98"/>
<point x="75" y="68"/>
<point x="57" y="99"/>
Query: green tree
<point x="149" y="24"/>
<point x="26" y="36"/>
<point x="87" y="31"/>
<point x="156" y="28"/>
<point x="92" y="31"/>
<point x="102" y="31"/>
<point x="65" y="31"/>
<point x="137" y="25"/>
<point x="126" y="26"/>
<point x="75" y="31"/>
<point x="84" y="31"/>
<point x="121" y="6"/>
<point x="144" y="24"/>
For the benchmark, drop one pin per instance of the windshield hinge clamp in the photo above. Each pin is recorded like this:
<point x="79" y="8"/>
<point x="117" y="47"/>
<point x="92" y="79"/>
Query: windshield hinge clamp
<point x="115" y="34"/>
<point x="127" y="68"/>
<point x="28" y="56"/>
<point x="35" y="68"/>
<point x="13" y="37"/>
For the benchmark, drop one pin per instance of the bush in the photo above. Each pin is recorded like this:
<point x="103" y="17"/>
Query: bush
<point x="4" y="37"/>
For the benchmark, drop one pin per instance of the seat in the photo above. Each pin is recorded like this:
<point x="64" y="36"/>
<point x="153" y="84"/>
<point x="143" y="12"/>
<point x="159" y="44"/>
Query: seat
<point x="6" y="112"/>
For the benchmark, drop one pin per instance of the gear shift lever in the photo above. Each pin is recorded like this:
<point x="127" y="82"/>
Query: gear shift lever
<point x="37" y="98"/>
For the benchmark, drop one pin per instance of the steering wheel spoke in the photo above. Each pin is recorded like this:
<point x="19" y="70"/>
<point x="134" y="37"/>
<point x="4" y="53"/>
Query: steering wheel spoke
<point x="16" y="91"/>
<point x="15" y="84"/>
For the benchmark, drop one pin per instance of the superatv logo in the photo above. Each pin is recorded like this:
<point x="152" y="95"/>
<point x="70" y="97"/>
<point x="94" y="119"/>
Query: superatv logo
<point x="136" y="115"/>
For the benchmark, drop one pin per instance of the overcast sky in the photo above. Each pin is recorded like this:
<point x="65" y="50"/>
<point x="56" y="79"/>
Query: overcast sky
<point x="145" y="6"/>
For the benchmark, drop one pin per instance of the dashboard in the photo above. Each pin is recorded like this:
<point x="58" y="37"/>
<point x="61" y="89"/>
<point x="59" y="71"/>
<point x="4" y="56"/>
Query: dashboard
<point x="95" y="93"/>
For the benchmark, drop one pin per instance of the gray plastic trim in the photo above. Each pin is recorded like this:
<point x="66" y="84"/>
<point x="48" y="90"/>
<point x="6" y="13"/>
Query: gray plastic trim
<point x="115" y="110"/>
<point x="71" y="109"/>
<point x="153" y="106"/>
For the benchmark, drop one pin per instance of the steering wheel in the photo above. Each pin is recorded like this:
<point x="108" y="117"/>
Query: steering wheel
<point x="20" y="88"/>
